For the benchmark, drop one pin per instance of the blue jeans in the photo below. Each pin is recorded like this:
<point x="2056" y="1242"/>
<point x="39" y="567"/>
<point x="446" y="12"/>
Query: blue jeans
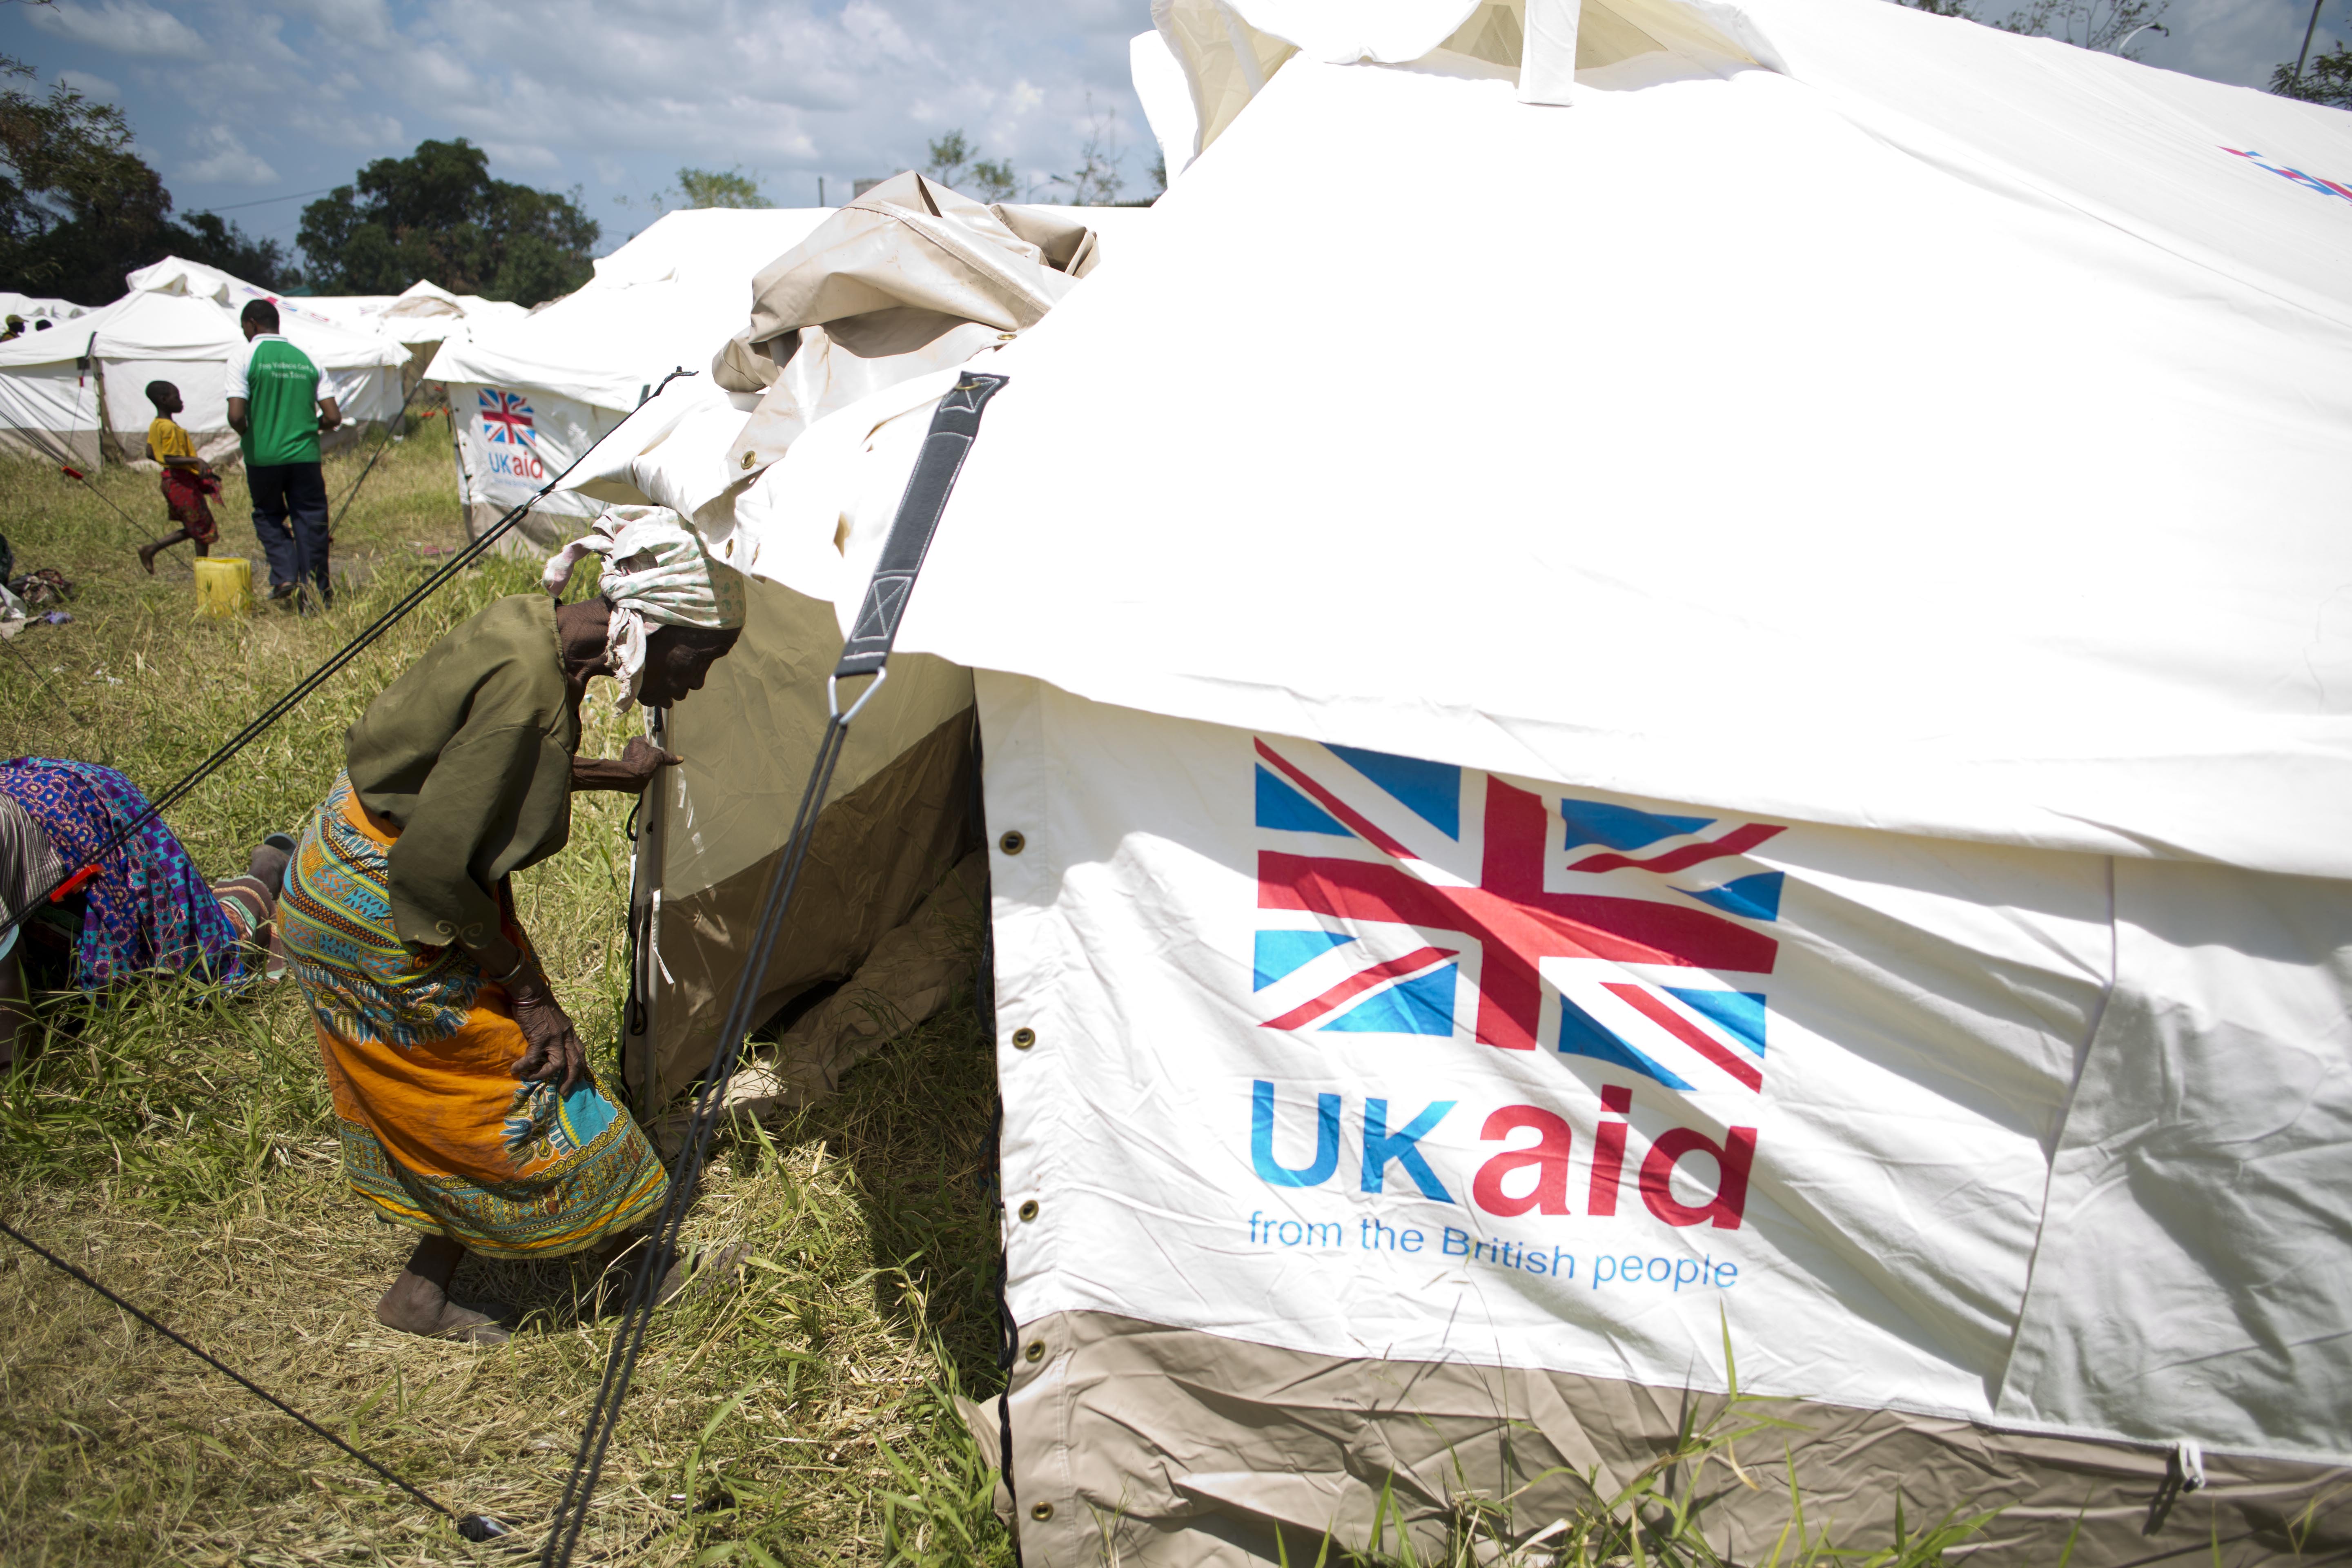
<point x="299" y="491"/>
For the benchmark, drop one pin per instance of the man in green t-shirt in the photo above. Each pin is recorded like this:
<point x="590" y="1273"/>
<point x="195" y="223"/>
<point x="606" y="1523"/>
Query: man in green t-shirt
<point x="275" y="407"/>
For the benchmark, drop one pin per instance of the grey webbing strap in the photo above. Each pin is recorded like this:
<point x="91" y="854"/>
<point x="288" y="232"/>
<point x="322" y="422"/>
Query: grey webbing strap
<point x="954" y="427"/>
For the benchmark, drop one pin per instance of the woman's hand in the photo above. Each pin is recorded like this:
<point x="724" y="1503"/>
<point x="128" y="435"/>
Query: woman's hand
<point x="629" y="773"/>
<point x="555" y="1054"/>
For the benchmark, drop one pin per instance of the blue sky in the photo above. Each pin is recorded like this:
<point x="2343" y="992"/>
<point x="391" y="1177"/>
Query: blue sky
<point x="234" y="100"/>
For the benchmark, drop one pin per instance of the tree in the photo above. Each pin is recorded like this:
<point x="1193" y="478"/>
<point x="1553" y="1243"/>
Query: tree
<point x="2103" y="25"/>
<point x="436" y="214"/>
<point x="79" y="209"/>
<point x="209" y="239"/>
<point x="2326" y="80"/>
<point x="957" y="165"/>
<point x="720" y="188"/>
<point x="1097" y="179"/>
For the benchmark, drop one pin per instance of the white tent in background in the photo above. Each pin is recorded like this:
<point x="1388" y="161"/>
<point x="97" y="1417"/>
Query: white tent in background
<point x="61" y="390"/>
<point x="1755" y="742"/>
<point x="425" y="314"/>
<point x="420" y="318"/>
<point x="35" y="309"/>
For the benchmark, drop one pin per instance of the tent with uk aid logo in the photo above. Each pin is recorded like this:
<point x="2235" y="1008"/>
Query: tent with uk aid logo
<point x="1731" y="760"/>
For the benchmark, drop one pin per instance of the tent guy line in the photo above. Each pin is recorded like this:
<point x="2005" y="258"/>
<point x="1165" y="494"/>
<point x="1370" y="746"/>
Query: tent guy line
<point x="265" y="201"/>
<point x="473" y="1526"/>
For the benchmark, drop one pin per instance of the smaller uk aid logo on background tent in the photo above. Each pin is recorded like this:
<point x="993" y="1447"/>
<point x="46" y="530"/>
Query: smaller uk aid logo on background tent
<point x="505" y="417"/>
<point x="1405" y="898"/>
<point x="508" y="436"/>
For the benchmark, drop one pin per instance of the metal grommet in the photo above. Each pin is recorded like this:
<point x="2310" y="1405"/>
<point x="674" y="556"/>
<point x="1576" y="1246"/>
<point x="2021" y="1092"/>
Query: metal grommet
<point x="1023" y="1038"/>
<point x="1042" y="1512"/>
<point x="1029" y="1209"/>
<point x="1036" y="1351"/>
<point x="1013" y="843"/>
<point x="748" y="459"/>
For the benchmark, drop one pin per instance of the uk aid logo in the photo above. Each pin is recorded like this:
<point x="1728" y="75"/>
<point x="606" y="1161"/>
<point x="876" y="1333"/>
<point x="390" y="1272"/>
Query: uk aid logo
<point x="508" y="436"/>
<point x="1400" y="898"/>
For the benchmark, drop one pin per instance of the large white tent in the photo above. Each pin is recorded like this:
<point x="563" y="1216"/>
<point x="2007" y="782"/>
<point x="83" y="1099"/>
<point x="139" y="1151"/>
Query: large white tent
<point x="1754" y="747"/>
<point x="70" y="392"/>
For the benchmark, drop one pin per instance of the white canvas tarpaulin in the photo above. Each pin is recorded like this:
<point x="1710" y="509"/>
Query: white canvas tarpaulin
<point x="1349" y="1053"/>
<point x="1764" y="743"/>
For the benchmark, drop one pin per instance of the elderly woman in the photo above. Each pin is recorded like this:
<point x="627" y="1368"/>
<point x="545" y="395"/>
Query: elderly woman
<point x="461" y="1091"/>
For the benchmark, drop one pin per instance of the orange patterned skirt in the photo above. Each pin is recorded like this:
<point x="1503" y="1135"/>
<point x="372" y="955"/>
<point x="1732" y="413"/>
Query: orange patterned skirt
<point x="420" y="1048"/>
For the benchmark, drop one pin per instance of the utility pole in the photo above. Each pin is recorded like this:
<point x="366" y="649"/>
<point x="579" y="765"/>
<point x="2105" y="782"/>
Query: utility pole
<point x="820" y="180"/>
<point x="2309" y="27"/>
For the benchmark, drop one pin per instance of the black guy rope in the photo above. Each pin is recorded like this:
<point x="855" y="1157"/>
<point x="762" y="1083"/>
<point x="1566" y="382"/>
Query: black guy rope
<point x="311" y="682"/>
<point x="47" y="684"/>
<point x="473" y="1527"/>
<point x="954" y="425"/>
<point x="73" y="473"/>
<point x="392" y="433"/>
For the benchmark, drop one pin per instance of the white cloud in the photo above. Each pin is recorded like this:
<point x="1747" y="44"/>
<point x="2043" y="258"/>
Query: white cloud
<point x="872" y="25"/>
<point x="523" y="155"/>
<point x="122" y="26"/>
<point x="89" y="86"/>
<point x="224" y="160"/>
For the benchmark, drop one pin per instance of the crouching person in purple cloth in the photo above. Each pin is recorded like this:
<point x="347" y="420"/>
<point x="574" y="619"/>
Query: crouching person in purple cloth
<point x="95" y="917"/>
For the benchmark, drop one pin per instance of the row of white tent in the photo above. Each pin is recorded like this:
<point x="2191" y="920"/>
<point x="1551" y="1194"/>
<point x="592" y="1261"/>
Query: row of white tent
<point x="1745" y="750"/>
<point x="76" y="391"/>
<point x="529" y="388"/>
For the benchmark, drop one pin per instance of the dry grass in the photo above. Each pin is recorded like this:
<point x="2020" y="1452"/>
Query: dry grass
<point x="177" y="1141"/>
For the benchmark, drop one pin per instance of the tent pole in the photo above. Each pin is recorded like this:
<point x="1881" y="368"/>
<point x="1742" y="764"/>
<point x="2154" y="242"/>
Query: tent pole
<point x="2309" y="27"/>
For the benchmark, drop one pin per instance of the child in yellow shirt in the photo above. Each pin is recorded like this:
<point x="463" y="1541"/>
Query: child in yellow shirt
<point x="187" y="477"/>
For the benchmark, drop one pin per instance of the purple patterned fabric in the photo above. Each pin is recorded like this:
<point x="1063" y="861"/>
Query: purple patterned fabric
<point x="149" y="907"/>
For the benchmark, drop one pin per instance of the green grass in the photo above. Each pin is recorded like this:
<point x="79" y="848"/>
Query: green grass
<point x="177" y="1142"/>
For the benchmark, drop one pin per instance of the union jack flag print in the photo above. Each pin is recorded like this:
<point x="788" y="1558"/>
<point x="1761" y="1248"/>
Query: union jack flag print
<point x="1400" y="897"/>
<point x="505" y="417"/>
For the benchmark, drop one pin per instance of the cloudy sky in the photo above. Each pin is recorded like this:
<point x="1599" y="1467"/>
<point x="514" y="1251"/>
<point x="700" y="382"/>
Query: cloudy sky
<point x="237" y="101"/>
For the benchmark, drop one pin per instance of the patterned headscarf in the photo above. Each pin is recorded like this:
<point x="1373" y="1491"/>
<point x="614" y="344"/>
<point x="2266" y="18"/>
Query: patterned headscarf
<point x="657" y="573"/>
